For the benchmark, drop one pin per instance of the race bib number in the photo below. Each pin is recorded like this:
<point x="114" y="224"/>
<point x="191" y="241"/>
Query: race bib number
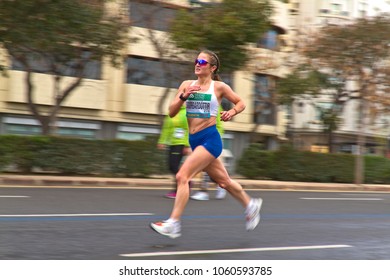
<point x="179" y="133"/>
<point x="198" y="105"/>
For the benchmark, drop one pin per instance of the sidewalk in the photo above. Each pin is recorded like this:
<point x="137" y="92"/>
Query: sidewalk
<point x="160" y="182"/>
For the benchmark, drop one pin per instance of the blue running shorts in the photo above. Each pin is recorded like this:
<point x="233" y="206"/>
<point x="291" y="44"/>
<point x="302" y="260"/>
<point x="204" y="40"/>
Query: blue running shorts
<point x="208" y="138"/>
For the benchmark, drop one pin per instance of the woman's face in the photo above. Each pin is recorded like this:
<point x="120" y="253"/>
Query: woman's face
<point x="203" y="66"/>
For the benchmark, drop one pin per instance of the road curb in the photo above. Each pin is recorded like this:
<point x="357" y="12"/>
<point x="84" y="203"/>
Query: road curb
<point x="33" y="180"/>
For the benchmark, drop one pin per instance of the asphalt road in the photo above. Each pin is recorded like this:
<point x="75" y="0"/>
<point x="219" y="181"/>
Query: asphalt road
<point x="113" y="224"/>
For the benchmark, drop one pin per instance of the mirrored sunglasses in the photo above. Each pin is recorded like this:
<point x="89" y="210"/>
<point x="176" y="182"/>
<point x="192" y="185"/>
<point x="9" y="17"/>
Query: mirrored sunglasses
<point x="201" y="62"/>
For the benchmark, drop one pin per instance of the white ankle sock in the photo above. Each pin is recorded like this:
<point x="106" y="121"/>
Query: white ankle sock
<point x="170" y="220"/>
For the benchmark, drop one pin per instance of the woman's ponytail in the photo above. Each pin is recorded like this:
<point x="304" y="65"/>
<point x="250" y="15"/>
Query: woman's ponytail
<point x="214" y="61"/>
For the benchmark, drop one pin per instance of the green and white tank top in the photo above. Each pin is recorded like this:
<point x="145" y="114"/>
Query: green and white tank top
<point x="202" y="104"/>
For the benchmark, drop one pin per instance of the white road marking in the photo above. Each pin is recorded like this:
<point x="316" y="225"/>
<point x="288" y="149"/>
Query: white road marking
<point x="13" y="196"/>
<point x="168" y="188"/>
<point x="77" y="215"/>
<point x="341" y="198"/>
<point x="224" y="251"/>
<point x="89" y="187"/>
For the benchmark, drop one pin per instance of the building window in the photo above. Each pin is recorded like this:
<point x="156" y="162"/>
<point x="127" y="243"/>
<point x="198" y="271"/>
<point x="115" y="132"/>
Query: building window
<point x="153" y="72"/>
<point x="227" y="79"/>
<point x="92" y="68"/>
<point x="128" y="132"/>
<point x="294" y="10"/>
<point x="151" y="15"/>
<point x="21" y="126"/>
<point x="78" y="129"/>
<point x="320" y="108"/>
<point x="22" y="129"/>
<point x="43" y="64"/>
<point x="336" y="9"/>
<point x="228" y="140"/>
<point x="269" y="40"/>
<point x="347" y="148"/>
<point x="362" y="9"/>
<point x="319" y="148"/>
<point x="263" y="101"/>
<point x="69" y="128"/>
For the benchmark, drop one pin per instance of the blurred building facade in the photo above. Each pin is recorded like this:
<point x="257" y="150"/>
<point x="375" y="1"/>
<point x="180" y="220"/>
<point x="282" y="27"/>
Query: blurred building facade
<point x="128" y="102"/>
<point x="305" y="128"/>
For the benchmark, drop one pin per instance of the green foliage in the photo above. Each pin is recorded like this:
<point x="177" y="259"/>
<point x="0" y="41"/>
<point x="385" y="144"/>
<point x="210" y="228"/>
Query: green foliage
<point x="121" y="158"/>
<point x="68" y="156"/>
<point x="52" y="29"/>
<point x="255" y="162"/>
<point x="330" y="118"/>
<point x="302" y="81"/>
<point x="57" y="37"/>
<point x="85" y="156"/>
<point x="356" y="54"/>
<point x="291" y="164"/>
<point x="377" y="170"/>
<point x="352" y="46"/>
<point x="20" y="152"/>
<point x="224" y="28"/>
<point x="288" y="164"/>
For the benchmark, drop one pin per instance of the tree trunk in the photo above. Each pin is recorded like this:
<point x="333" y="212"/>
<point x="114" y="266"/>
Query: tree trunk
<point x="361" y="143"/>
<point x="330" y="141"/>
<point x="45" y="125"/>
<point x="359" y="160"/>
<point x="48" y="121"/>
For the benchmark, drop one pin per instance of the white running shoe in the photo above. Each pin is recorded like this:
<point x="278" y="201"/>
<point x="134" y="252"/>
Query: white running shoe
<point x="167" y="228"/>
<point x="221" y="193"/>
<point x="202" y="196"/>
<point x="252" y="213"/>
